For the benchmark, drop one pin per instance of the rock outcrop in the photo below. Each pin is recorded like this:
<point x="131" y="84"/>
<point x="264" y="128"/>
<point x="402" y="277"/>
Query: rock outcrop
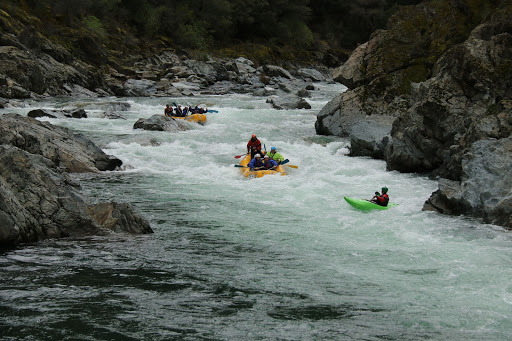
<point x="442" y="96"/>
<point x="72" y="152"/>
<point x="485" y="188"/>
<point x="38" y="197"/>
<point x="160" y="123"/>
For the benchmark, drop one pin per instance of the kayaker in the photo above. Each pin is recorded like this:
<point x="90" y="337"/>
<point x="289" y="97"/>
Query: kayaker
<point x="256" y="163"/>
<point x="168" y="110"/>
<point x="269" y="163"/>
<point x="254" y="146"/>
<point x="379" y="199"/>
<point x="274" y="155"/>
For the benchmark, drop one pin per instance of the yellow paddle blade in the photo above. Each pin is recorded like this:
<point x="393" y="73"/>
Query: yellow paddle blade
<point x="291" y="166"/>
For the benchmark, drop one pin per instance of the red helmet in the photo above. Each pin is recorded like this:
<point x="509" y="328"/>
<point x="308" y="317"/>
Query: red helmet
<point x="253" y="135"/>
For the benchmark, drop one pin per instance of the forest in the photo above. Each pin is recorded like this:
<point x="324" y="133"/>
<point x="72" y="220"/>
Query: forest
<point x="210" y="24"/>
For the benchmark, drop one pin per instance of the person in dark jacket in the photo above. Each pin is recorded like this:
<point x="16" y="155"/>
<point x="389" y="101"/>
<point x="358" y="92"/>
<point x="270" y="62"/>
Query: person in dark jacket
<point x="379" y="199"/>
<point x="178" y="111"/>
<point x="254" y="146"/>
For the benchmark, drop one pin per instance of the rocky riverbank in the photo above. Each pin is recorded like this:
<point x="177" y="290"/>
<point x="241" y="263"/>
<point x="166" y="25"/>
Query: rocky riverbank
<point x="39" y="198"/>
<point x="34" y="66"/>
<point x="426" y="97"/>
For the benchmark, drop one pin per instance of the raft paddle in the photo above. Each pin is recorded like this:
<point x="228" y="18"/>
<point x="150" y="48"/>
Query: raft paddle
<point x="285" y="161"/>
<point x="239" y="156"/>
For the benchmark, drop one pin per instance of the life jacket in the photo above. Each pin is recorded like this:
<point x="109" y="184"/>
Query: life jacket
<point x="383" y="199"/>
<point x="268" y="164"/>
<point x="254" y="144"/>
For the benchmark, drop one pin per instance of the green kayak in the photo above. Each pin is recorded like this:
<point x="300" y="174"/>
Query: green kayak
<point x="365" y="205"/>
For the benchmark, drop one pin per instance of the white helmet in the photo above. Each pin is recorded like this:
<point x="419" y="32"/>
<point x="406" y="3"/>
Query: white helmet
<point x="266" y="156"/>
<point x="257" y="155"/>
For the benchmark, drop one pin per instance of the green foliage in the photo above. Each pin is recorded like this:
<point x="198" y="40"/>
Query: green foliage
<point x="195" y="36"/>
<point x="94" y="25"/>
<point x="323" y="25"/>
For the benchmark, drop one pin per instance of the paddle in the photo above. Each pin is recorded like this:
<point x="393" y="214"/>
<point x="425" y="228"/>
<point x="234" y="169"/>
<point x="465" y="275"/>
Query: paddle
<point x="209" y="110"/>
<point x="239" y="156"/>
<point x="285" y="163"/>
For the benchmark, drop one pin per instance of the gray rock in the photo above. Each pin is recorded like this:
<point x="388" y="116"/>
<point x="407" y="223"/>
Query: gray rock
<point x="36" y="113"/>
<point x="312" y="74"/>
<point x="72" y="152"/>
<point x="288" y="102"/>
<point x="276" y="71"/>
<point x="140" y="87"/>
<point x="160" y="123"/>
<point x="38" y="200"/>
<point x="112" y="115"/>
<point x="303" y="93"/>
<point x="485" y="189"/>
<point x="369" y="137"/>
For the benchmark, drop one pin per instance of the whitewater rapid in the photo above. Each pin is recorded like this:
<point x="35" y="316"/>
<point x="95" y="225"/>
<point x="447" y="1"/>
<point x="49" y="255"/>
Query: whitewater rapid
<point x="279" y="257"/>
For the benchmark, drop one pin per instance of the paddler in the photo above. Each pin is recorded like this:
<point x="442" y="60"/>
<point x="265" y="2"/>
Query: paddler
<point x="274" y="155"/>
<point x="379" y="199"/>
<point x="168" y="110"/>
<point x="268" y="163"/>
<point x="254" y="146"/>
<point x="256" y="163"/>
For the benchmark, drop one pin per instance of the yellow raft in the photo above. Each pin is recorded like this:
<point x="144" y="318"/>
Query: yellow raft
<point x="198" y="118"/>
<point x="258" y="173"/>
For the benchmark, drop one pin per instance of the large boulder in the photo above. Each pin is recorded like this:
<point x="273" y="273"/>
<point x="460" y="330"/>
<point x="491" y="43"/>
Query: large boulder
<point x="72" y="152"/>
<point x="160" y="123"/>
<point x="485" y="189"/>
<point x="39" y="200"/>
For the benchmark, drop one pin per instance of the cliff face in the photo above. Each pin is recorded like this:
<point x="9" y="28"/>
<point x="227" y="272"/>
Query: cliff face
<point x="444" y="96"/>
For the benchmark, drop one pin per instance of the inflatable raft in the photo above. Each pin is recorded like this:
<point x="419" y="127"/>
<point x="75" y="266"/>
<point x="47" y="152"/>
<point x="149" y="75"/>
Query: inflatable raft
<point x="198" y="118"/>
<point x="258" y="173"/>
<point x="365" y="205"/>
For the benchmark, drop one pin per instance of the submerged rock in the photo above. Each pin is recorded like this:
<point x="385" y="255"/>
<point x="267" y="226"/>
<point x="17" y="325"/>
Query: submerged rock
<point x="288" y="102"/>
<point x="80" y="113"/>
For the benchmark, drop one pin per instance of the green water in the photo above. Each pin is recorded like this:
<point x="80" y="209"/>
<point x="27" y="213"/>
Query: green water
<point x="275" y="258"/>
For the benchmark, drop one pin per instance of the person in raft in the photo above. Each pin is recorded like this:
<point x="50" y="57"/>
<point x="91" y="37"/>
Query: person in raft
<point x="168" y="110"/>
<point x="379" y="199"/>
<point x="178" y="111"/>
<point x="274" y="155"/>
<point x="268" y="163"/>
<point x="256" y="163"/>
<point x="254" y="146"/>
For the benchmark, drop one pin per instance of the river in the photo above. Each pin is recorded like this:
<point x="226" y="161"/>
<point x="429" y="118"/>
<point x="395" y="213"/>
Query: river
<point x="274" y="258"/>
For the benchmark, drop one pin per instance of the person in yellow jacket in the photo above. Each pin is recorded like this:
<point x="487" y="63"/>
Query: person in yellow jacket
<point x="274" y="155"/>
